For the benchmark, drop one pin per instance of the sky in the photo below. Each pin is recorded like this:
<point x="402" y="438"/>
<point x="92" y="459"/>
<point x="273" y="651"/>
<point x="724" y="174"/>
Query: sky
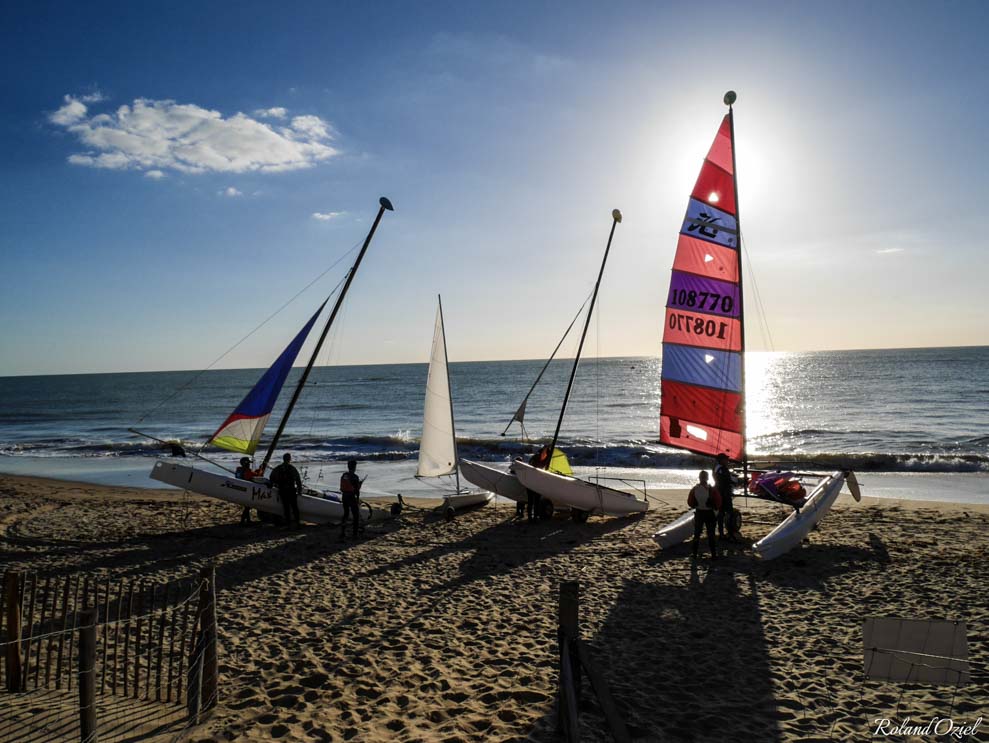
<point x="172" y="174"/>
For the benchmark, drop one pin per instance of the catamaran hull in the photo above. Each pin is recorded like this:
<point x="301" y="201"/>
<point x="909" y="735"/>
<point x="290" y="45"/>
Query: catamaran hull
<point x="312" y="509"/>
<point x="792" y="530"/>
<point x="562" y="490"/>
<point x="494" y="480"/>
<point x="675" y="533"/>
<point x="466" y="500"/>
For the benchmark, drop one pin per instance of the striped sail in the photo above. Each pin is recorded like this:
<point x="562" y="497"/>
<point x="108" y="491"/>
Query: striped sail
<point x="702" y="396"/>
<point x="241" y="432"/>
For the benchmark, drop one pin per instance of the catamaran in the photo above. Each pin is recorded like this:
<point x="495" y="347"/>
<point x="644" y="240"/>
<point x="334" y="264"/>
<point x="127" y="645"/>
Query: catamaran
<point x="702" y="405"/>
<point x="557" y="489"/>
<point x="503" y="481"/>
<point x="242" y="430"/>
<point x="438" y="445"/>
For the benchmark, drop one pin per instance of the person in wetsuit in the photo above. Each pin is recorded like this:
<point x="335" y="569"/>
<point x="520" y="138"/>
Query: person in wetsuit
<point x="724" y="481"/>
<point x="289" y="483"/>
<point x="705" y="500"/>
<point x="350" y="488"/>
<point x="533" y="499"/>
<point x="244" y="472"/>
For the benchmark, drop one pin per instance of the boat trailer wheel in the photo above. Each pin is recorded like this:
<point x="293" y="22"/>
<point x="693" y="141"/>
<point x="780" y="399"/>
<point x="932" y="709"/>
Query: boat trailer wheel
<point x="579" y="516"/>
<point x="449" y="513"/>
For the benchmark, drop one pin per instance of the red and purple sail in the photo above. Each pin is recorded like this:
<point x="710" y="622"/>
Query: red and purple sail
<point x="241" y="432"/>
<point x="703" y="344"/>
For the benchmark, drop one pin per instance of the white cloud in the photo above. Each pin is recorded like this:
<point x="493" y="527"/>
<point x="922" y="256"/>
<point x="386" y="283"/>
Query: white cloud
<point x="327" y="216"/>
<point x="231" y="192"/>
<point x="165" y="135"/>
<point x="154" y="174"/>
<point x="888" y="251"/>
<point x="276" y="112"/>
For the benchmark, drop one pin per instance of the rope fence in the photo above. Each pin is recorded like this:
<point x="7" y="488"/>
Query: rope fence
<point x="143" y="652"/>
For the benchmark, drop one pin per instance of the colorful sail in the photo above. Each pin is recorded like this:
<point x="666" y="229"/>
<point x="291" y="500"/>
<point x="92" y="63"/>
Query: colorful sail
<point x="242" y="430"/>
<point x="703" y="344"/>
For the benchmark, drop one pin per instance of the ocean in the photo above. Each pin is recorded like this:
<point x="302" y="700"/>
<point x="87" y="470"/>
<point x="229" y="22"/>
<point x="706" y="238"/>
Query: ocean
<point x="906" y="420"/>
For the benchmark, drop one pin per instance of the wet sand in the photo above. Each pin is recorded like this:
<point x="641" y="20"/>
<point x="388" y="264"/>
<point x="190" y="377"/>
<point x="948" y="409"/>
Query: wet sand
<point x="427" y="630"/>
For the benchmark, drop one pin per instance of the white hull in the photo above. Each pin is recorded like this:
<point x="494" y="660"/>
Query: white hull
<point x="326" y="509"/>
<point x="677" y="532"/>
<point x="575" y="493"/>
<point x="466" y="499"/>
<point x="798" y="524"/>
<point x="494" y="480"/>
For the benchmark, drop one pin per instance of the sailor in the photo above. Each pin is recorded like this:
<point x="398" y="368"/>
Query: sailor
<point x="286" y="478"/>
<point x="533" y="499"/>
<point x="724" y="481"/>
<point x="350" y="488"/>
<point x="244" y="472"/>
<point x="705" y="500"/>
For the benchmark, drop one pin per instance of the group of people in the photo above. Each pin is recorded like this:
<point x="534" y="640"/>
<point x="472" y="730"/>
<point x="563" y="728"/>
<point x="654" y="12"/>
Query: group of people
<point x="712" y="505"/>
<point x="287" y="479"/>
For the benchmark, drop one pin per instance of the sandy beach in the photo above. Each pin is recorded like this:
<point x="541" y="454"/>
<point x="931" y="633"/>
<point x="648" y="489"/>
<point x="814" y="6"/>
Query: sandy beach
<point x="427" y="630"/>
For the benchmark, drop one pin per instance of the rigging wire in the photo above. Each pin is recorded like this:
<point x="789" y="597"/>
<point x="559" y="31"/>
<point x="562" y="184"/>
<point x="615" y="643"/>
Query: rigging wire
<point x="763" y="318"/>
<point x="264" y="322"/>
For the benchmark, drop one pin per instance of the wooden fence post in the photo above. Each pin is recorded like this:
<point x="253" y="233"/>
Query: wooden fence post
<point x="12" y="599"/>
<point x="207" y="626"/>
<point x="569" y="635"/>
<point x="193" y="691"/>
<point x="87" y="676"/>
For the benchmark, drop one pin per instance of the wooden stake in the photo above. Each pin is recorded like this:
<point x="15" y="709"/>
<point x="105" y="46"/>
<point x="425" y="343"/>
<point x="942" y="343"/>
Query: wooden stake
<point x="185" y="633"/>
<point x="106" y="634"/>
<point x="207" y="624"/>
<point x="41" y="629"/>
<point x="130" y="613"/>
<point x="150" y="641"/>
<point x="65" y="628"/>
<point x="51" y="639"/>
<point x="116" y="638"/>
<point x="74" y="613"/>
<point x="87" y="676"/>
<point x="161" y="643"/>
<point x="173" y="621"/>
<point x="137" y="642"/>
<point x="12" y="599"/>
<point x="30" y="627"/>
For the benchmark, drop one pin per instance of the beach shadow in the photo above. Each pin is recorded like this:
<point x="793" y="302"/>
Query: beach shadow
<point x="686" y="662"/>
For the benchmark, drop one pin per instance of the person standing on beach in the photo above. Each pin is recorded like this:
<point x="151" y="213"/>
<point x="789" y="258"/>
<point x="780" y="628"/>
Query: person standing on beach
<point x="533" y="499"/>
<point x="350" y="488"/>
<point x="705" y="500"/>
<point x="724" y="481"/>
<point x="289" y="483"/>
<point x="244" y="472"/>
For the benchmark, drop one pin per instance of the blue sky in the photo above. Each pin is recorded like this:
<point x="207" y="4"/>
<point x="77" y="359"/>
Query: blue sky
<point x="504" y="133"/>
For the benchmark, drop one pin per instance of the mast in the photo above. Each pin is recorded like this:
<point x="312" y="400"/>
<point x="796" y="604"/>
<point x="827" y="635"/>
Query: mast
<point x="449" y="391"/>
<point x="616" y="217"/>
<point x="385" y="204"/>
<point x="729" y="100"/>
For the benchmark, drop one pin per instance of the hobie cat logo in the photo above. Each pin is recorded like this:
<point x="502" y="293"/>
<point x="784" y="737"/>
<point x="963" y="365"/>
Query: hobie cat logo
<point x="936" y="726"/>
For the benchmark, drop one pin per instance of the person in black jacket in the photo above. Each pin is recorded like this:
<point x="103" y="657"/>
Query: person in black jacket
<point x="724" y="481"/>
<point x="350" y="489"/>
<point x="289" y="483"/>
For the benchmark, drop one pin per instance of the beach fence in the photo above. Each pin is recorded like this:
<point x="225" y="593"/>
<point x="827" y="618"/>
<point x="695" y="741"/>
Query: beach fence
<point x="576" y="661"/>
<point x="86" y="658"/>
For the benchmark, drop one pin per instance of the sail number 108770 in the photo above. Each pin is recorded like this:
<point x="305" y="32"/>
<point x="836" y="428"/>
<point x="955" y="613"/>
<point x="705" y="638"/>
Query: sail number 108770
<point x="703" y="301"/>
<point x="698" y="326"/>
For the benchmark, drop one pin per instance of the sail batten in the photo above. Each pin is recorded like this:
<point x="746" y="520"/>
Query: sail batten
<point x="702" y="388"/>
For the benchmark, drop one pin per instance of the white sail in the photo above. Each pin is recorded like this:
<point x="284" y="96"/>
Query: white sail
<point x="438" y="449"/>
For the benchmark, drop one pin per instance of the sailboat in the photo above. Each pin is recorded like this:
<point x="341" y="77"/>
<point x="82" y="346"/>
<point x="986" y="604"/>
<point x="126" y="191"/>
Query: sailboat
<point x="583" y="497"/>
<point x="502" y="481"/>
<point x="243" y="429"/>
<point x="438" y="445"/>
<point x="702" y="406"/>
